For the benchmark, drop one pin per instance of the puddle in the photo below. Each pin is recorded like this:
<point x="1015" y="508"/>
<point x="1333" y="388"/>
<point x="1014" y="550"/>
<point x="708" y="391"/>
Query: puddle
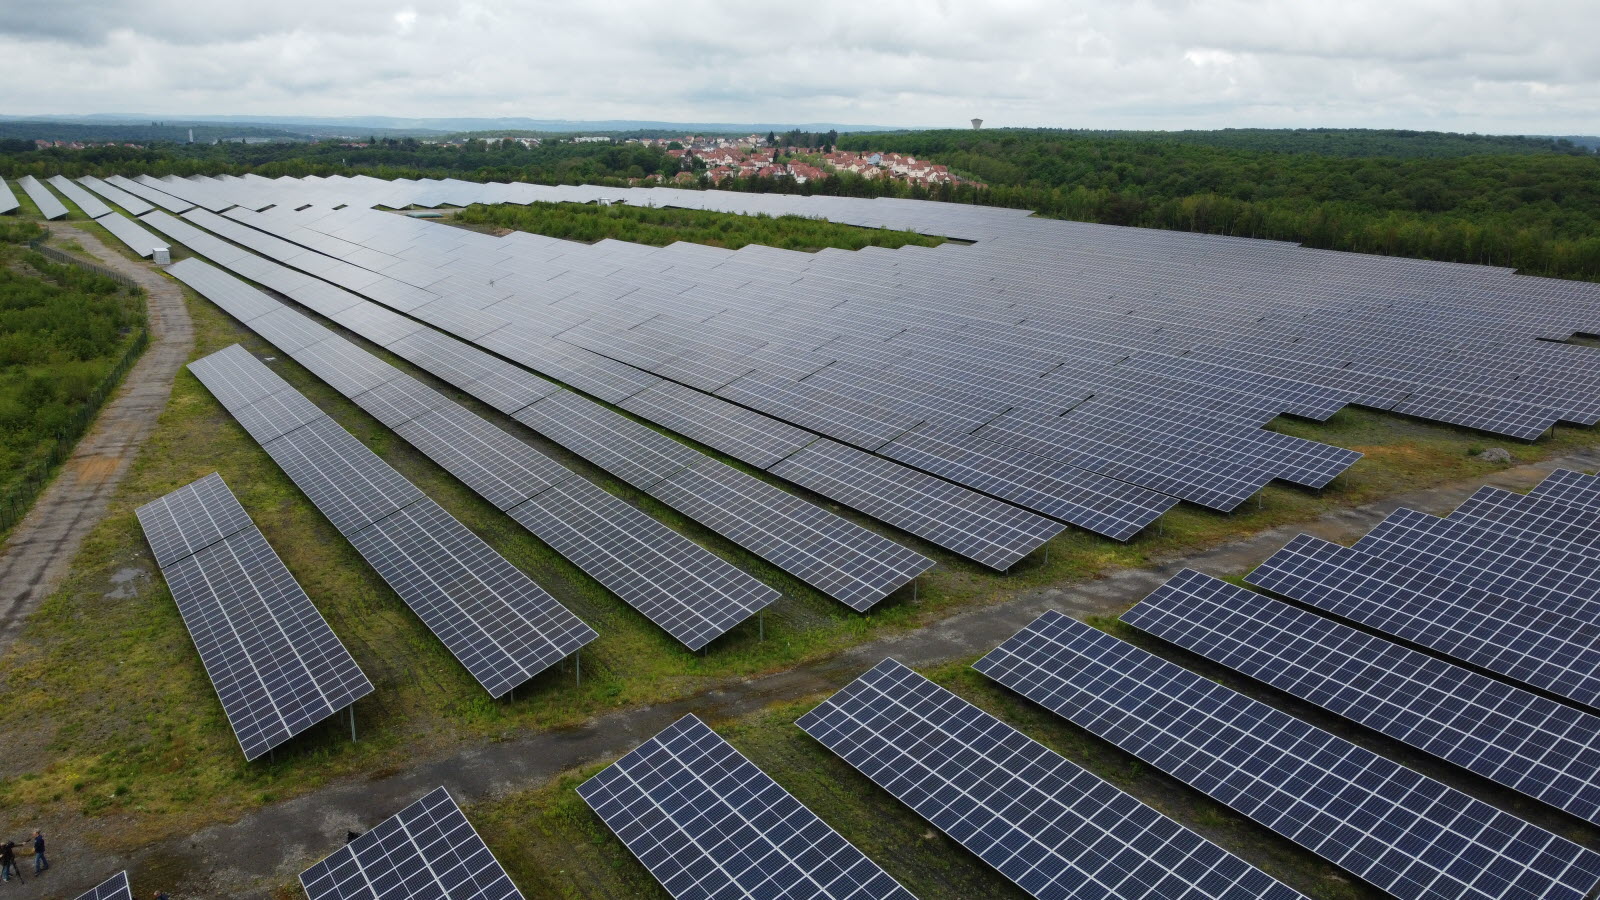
<point x="126" y="582"/>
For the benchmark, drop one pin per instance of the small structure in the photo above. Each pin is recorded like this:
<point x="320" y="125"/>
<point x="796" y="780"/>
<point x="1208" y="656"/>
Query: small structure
<point x="161" y="256"/>
<point x="976" y="124"/>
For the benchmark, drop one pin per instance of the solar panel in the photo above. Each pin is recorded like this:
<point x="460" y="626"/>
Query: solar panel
<point x="427" y="851"/>
<point x="1402" y="832"/>
<point x="8" y="200"/>
<point x="49" y="206"/>
<point x="500" y="468"/>
<point x="741" y="433"/>
<point x="1572" y="488"/>
<point x="1535" y="646"/>
<point x="399" y="400"/>
<point x="853" y="565"/>
<point x="501" y="625"/>
<point x="134" y="206"/>
<point x="277" y="667"/>
<point x="137" y="239"/>
<point x="980" y="528"/>
<point x="349" y="483"/>
<point x="1558" y="580"/>
<point x="1103" y="505"/>
<point x="113" y="888"/>
<point x="87" y="202"/>
<point x="694" y="595"/>
<point x="1054" y="829"/>
<point x="615" y="443"/>
<point x="1531" y="744"/>
<point x="708" y="824"/>
<point x="821" y="410"/>
<point x="1530" y="518"/>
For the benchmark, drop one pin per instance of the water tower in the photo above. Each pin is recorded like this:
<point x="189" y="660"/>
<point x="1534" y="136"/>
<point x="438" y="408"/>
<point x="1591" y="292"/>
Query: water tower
<point x="976" y="124"/>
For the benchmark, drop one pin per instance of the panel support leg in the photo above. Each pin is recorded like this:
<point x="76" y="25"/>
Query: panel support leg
<point x="352" y="709"/>
<point x="915" y="583"/>
<point x="761" y="625"/>
<point x="577" y="666"/>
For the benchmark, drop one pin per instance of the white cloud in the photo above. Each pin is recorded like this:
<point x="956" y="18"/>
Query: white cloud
<point x="1473" y="65"/>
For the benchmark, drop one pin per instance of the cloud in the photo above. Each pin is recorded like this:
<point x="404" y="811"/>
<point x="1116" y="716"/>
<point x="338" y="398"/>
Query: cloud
<point x="1480" y="65"/>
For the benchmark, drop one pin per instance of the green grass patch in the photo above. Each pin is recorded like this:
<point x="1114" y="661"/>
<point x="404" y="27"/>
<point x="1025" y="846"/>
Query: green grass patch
<point x="660" y="227"/>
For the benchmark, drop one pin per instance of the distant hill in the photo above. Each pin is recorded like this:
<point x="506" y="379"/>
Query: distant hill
<point x="391" y="126"/>
<point x="1345" y="142"/>
<point x="148" y="133"/>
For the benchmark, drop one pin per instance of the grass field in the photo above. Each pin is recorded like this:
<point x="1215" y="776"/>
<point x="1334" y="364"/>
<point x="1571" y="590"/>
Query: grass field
<point x="123" y="739"/>
<point x="660" y="227"/>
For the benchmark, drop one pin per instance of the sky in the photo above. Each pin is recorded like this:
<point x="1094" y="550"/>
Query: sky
<point x="1491" y="66"/>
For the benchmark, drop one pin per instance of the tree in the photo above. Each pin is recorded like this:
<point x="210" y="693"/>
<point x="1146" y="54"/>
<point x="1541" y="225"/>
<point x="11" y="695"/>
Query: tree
<point x="772" y="139"/>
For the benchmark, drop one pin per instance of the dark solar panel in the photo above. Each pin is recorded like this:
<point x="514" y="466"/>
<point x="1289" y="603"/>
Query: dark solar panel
<point x="427" y="851"/>
<point x="853" y="565"/>
<point x="1053" y="828"/>
<point x="500" y="468"/>
<point x="741" y="433"/>
<point x="980" y="528"/>
<point x="276" y="665"/>
<point x="615" y="443"/>
<point x="694" y="595"/>
<point x="1573" y="488"/>
<point x="709" y="824"/>
<point x="349" y="483"/>
<point x="1402" y="832"/>
<point x="1531" y="744"/>
<point x="501" y="625"/>
<point x="1537" y="647"/>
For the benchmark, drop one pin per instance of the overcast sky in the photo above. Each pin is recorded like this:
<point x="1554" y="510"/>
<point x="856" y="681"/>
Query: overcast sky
<point x="1507" y="66"/>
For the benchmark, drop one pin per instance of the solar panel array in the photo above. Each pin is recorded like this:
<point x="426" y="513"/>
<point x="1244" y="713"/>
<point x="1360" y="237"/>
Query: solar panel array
<point x="502" y="626"/>
<point x="49" y="206"/>
<point x="1053" y="828"/>
<point x="1545" y="749"/>
<point x="133" y="206"/>
<point x="427" y="850"/>
<point x="128" y="232"/>
<point x="708" y="823"/>
<point x="1181" y="344"/>
<point x="276" y="665"/>
<point x="1400" y="831"/>
<point x="693" y="594"/>
<point x="113" y="888"/>
<point x="89" y="203"/>
<point x="857" y="566"/>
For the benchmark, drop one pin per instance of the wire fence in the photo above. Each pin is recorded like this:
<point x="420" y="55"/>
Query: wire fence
<point x="34" y="476"/>
<point x="40" y="247"/>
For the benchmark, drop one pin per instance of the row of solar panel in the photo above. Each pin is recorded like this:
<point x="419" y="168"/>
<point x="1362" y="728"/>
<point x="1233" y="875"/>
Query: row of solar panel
<point x="1058" y="832"/>
<point x="1152" y="457"/>
<point x="992" y="532"/>
<point x="1090" y="500"/>
<point x="1391" y="401"/>
<point x="496" y="621"/>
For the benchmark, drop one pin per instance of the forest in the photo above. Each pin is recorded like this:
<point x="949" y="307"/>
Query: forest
<point x="1529" y="203"/>
<point x="64" y="333"/>
<point x="660" y="227"/>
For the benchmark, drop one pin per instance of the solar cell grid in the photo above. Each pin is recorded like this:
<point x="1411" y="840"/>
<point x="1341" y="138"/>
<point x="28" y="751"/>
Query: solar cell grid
<point x="615" y="443"/>
<point x="1572" y="488"/>
<point x="1531" y="744"/>
<point x="980" y="528"/>
<point x="349" y="483"/>
<point x="500" y="468"/>
<point x="708" y="823"/>
<point x="1533" y="518"/>
<point x="741" y="433"/>
<point x="1052" y="828"/>
<point x="113" y="888"/>
<point x="690" y="593"/>
<point x="853" y="565"/>
<point x="277" y="667"/>
<point x="1400" y="831"/>
<point x="502" y="626"/>
<point x="427" y="851"/>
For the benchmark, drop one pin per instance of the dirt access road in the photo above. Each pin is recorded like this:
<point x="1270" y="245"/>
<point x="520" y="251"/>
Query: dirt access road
<point x="37" y="555"/>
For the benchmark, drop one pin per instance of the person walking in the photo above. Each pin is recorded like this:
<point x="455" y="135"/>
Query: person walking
<point x="39" y="862"/>
<point x="8" y="861"/>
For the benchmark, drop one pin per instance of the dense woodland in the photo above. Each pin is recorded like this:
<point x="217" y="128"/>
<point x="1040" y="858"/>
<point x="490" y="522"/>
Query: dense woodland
<point x="63" y="331"/>
<point x="660" y="227"/>
<point x="1530" y="203"/>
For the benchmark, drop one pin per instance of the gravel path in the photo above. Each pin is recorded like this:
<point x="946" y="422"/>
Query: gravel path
<point x="36" y="556"/>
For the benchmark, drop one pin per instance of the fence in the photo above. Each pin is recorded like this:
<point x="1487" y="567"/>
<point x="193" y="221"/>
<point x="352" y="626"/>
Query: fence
<point x="35" y="476"/>
<point x="49" y="252"/>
